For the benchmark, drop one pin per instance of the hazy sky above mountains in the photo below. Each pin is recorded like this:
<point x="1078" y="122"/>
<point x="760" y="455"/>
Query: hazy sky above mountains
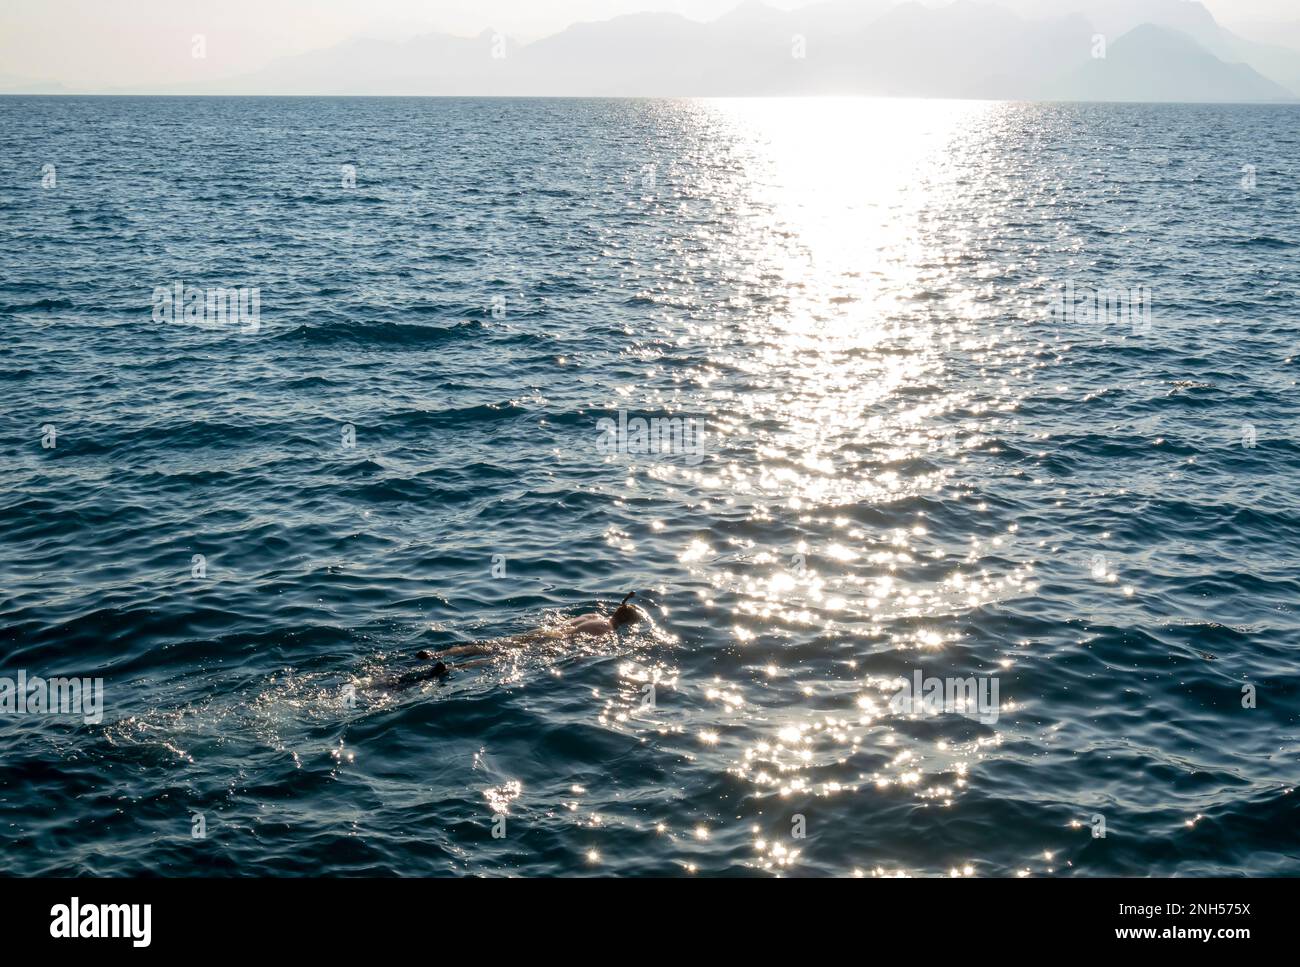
<point x="105" y="43"/>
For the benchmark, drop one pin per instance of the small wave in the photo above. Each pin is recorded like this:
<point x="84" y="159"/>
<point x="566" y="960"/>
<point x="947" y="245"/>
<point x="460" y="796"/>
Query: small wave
<point x="397" y="334"/>
<point x="40" y="305"/>
<point x="454" y="416"/>
<point x="1266" y="241"/>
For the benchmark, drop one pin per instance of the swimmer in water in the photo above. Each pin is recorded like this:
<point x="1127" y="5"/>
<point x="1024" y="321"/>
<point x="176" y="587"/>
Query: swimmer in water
<point x="592" y="625"/>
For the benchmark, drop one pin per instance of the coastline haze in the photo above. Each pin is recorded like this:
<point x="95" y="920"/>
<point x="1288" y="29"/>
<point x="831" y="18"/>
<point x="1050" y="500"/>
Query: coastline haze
<point x="1018" y="49"/>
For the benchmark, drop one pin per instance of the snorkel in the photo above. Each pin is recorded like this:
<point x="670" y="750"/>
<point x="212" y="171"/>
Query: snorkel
<point x="626" y="613"/>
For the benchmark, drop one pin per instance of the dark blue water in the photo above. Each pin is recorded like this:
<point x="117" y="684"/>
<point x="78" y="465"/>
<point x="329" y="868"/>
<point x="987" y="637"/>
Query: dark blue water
<point x="910" y="464"/>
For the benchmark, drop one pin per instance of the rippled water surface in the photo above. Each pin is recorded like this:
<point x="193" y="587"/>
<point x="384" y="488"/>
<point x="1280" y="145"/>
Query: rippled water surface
<point x="910" y="463"/>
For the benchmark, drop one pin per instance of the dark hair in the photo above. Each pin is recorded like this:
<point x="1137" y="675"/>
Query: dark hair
<point x="626" y="613"/>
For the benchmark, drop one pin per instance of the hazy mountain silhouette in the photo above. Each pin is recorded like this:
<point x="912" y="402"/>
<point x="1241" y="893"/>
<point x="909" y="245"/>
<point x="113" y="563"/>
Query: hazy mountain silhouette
<point x="967" y="50"/>
<point x="15" y="84"/>
<point x="1114" y="18"/>
<point x="1278" y="63"/>
<point x="1151" y="63"/>
<point x="1157" y="50"/>
<point x="1276" y="33"/>
<point x="429" y="64"/>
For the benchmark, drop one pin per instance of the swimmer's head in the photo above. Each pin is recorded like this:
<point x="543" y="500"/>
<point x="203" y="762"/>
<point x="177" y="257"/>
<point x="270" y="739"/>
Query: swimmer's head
<point x="627" y="614"/>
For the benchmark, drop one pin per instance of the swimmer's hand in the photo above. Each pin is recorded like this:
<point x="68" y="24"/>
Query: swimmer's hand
<point x="439" y="668"/>
<point x="415" y="677"/>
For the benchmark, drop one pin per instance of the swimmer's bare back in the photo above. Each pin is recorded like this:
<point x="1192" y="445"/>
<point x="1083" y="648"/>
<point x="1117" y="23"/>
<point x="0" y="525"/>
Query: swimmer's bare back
<point x="585" y="625"/>
<point x="590" y="625"/>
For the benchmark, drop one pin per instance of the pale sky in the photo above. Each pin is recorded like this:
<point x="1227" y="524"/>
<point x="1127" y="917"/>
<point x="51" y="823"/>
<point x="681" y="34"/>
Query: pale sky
<point x="104" y="43"/>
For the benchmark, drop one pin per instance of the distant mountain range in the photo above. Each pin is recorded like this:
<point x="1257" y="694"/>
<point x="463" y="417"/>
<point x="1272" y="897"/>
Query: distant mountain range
<point x="1082" y="50"/>
<point x="1277" y="34"/>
